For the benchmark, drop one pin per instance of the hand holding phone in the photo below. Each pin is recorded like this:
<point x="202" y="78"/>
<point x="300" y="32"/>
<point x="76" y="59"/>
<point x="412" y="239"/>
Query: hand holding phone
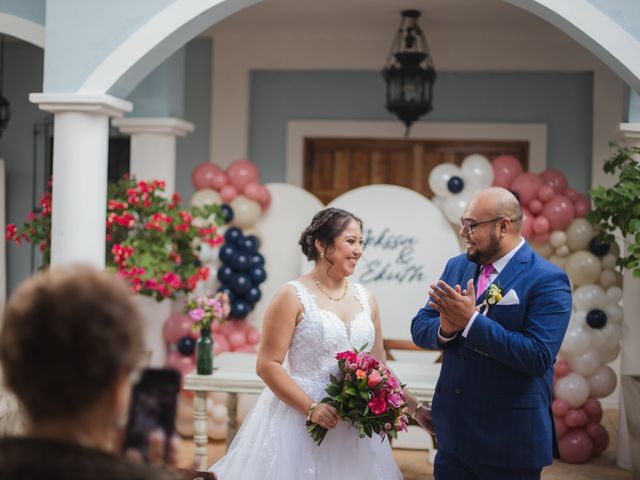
<point x="153" y="407"/>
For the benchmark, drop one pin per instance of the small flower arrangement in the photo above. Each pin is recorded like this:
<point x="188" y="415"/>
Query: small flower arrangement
<point x="494" y="294"/>
<point x="365" y="393"/>
<point x="207" y="309"/>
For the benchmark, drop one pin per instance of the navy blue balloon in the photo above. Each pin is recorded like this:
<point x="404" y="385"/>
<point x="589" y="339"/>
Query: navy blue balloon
<point x="240" y="262"/>
<point x="455" y="184"/>
<point x="227" y="213"/>
<point x="258" y="275"/>
<point x="240" y="283"/>
<point x="227" y="252"/>
<point x="253" y="295"/>
<point x="257" y="260"/>
<point x="186" y="345"/>
<point x="224" y="288"/>
<point x="225" y="273"/>
<point x="239" y="309"/>
<point x="596" y="318"/>
<point x="598" y="247"/>
<point x="233" y="236"/>
<point x="249" y="244"/>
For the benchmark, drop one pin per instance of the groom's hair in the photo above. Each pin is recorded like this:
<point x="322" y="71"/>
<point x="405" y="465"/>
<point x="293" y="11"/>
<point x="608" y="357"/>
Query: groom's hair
<point x="326" y="225"/>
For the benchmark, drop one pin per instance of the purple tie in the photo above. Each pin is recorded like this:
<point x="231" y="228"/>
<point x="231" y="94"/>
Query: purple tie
<point x="483" y="280"/>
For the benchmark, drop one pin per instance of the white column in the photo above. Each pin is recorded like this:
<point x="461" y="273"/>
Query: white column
<point x="153" y="147"/>
<point x="629" y="135"/>
<point x="80" y="148"/>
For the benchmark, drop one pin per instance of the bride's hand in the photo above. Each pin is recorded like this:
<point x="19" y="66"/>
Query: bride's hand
<point x="325" y="415"/>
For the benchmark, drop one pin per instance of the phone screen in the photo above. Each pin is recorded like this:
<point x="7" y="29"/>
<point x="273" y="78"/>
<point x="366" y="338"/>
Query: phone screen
<point x="153" y="405"/>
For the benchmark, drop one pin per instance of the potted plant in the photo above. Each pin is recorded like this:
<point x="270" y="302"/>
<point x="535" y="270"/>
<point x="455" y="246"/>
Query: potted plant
<point x="617" y="208"/>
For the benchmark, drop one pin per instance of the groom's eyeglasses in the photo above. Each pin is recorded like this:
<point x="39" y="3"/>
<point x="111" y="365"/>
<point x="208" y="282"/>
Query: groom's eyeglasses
<point x="469" y="227"/>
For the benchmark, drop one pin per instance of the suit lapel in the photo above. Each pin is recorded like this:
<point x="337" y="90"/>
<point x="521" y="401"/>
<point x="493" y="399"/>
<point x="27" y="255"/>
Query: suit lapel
<point x="514" y="267"/>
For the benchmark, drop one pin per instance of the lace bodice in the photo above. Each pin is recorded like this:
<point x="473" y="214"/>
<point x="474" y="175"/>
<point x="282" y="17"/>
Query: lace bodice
<point x="320" y="335"/>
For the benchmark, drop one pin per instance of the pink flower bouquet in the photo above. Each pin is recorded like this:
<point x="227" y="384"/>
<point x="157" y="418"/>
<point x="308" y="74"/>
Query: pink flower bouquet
<point x="365" y="393"/>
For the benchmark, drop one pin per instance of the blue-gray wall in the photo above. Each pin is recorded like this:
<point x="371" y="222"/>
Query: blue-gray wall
<point x="562" y="101"/>
<point x="32" y="10"/>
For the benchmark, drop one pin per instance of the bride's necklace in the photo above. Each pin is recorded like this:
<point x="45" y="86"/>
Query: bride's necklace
<point x="335" y="299"/>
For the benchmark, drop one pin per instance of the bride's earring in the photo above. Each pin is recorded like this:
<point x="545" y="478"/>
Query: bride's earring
<point x="321" y="254"/>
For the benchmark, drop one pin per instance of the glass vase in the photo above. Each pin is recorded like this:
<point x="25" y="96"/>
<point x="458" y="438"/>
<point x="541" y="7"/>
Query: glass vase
<point x="204" y="352"/>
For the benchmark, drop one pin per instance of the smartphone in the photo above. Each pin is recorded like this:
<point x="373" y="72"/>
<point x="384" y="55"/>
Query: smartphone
<point x="153" y="405"/>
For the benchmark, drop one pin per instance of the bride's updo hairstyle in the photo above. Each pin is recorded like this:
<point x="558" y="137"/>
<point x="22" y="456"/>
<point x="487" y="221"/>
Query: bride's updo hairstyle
<point x="326" y="226"/>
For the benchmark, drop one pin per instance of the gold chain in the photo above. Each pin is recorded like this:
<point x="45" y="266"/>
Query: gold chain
<point x="335" y="299"/>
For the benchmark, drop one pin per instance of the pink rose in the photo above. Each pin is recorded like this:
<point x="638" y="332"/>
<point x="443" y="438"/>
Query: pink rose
<point x="374" y="378"/>
<point x="378" y="405"/>
<point x="396" y="400"/>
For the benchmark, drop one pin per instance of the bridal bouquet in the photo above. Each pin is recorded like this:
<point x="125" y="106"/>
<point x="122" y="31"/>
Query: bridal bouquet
<point x="365" y="393"/>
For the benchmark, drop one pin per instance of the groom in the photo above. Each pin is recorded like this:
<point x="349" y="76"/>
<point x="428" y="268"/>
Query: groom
<point x="499" y="313"/>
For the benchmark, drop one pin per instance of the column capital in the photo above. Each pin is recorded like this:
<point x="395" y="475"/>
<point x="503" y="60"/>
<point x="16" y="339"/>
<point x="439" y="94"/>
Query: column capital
<point x="628" y="132"/>
<point x="99" y="103"/>
<point x="153" y="125"/>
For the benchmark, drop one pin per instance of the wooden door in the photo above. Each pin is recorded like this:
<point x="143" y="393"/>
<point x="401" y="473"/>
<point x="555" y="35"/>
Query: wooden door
<point x="333" y="166"/>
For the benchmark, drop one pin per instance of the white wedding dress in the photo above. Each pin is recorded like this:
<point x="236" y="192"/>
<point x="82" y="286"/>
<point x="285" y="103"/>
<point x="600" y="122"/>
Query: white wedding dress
<point x="273" y="442"/>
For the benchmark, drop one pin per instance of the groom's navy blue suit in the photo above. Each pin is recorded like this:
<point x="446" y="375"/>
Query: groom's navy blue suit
<point x="492" y="404"/>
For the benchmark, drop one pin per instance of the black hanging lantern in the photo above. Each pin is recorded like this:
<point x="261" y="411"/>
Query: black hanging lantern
<point x="5" y="106"/>
<point x="409" y="72"/>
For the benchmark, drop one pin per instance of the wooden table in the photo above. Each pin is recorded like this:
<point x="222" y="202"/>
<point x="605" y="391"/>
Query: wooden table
<point x="235" y="373"/>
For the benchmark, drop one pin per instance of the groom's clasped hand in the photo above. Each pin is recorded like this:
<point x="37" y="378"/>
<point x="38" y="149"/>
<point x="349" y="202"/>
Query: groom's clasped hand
<point x="455" y="305"/>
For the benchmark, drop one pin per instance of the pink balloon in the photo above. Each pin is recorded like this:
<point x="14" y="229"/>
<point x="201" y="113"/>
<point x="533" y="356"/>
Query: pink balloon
<point x="562" y="368"/>
<point x="559" y="407"/>
<point x="183" y="364"/>
<point x="176" y="326"/>
<point x="555" y="179"/>
<point x="253" y="191"/>
<point x="575" y="417"/>
<point x="241" y="173"/>
<point x="535" y="206"/>
<point x="220" y="343"/>
<point x="228" y="193"/>
<point x="593" y="409"/>
<point x="253" y="337"/>
<point x="215" y="327"/>
<point x="599" y="436"/>
<point x="561" y="427"/>
<point x="526" y="186"/>
<point x="265" y="198"/>
<point x="582" y="205"/>
<point x="228" y="327"/>
<point x="245" y="348"/>
<point x="540" y="239"/>
<point x="505" y="169"/>
<point x="571" y="194"/>
<point x="525" y="226"/>
<point x="540" y="225"/>
<point x="203" y="174"/>
<point x="546" y="193"/>
<point x="237" y="339"/>
<point x="560" y="212"/>
<point x="219" y="180"/>
<point x="575" y="446"/>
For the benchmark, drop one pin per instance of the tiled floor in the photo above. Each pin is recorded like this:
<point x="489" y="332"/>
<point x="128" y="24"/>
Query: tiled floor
<point x="414" y="465"/>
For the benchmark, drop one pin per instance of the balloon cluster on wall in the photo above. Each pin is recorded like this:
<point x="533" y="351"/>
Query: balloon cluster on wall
<point x="554" y="223"/>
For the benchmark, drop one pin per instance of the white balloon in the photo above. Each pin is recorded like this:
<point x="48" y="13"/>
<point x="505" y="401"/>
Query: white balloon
<point x="588" y="297"/>
<point x="219" y="413"/>
<point x="245" y="212"/>
<point x="602" y="382"/>
<point x="545" y="249"/>
<point x="439" y="177"/>
<point x="578" y="319"/>
<point x="557" y="238"/>
<point x="611" y="354"/>
<point x="583" y="268"/>
<point x="206" y="196"/>
<point x="614" y="313"/>
<point x="609" y="261"/>
<point x="217" y="431"/>
<point x="576" y="341"/>
<point x="558" y="261"/>
<point x="478" y="171"/>
<point x="439" y="201"/>
<point x="614" y="294"/>
<point x="208" y="253"/>
<point x="563" y="251"/>
<point x="607" y="337"/>
<point x="573" y="388"/>
<point x="455" y="205"/>
<point x="608" y="278"/>
<point x="579" y="234"/>
<point x="587" y="363"/>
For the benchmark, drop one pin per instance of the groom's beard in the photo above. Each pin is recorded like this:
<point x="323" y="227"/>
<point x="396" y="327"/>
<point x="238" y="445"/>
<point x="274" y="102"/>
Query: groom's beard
<point x="484" y="256"/>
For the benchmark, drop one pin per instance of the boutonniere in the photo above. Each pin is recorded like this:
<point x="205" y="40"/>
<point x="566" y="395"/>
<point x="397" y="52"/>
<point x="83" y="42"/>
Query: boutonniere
<point x="492" y="296"/>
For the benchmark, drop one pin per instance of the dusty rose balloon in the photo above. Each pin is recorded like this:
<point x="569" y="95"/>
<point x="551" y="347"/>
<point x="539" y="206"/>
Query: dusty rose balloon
<point x="245" y="348"/>
<point x="562" y="368"/>
<point x="575" y="418"/>
<point x="203" y="174"/>
<point x="540" y="225"/>
<point x="546" y="193"/>
<point x="176" y="326"/>
<point x="535" y="206"/>
<point x="560" y="212"/>
<point x="541" y="238"/>
<point x="228" y="193"/>
<point x="219" y="180"/>
<point x="253" y="191"/>
<point x="599" y="436"/>
<point x="559" y="407"/>
<point x="220" y="343"/>
<point x="555" y="179"/>
<point x="241" y="173"/>
<point x="582" y="205"/>
<point x="505" y="169"/>
<point x="237" y="339"/>
<point x="526" y="185"/>
<point x="561" y="427"/>
<point x="571" y="194"/>
<point x="183" y="364"/>
<point x="575" y="446"/>
<point x="525" y="227"/>
<point x="253" y="337"/>
<point x="265" y="198"/>
<point x="593" y="409"/>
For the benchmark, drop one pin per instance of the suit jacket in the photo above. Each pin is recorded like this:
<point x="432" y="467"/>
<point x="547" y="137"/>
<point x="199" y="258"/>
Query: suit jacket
<point x="492" y="404"/>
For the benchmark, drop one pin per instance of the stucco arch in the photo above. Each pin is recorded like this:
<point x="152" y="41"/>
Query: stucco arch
<point x="154" y="42"/>
<point x="592" y="29"/>
<point x="23" y="29"/>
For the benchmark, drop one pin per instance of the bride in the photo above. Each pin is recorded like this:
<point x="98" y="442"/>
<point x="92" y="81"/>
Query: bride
<point x="310" y="320"/>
